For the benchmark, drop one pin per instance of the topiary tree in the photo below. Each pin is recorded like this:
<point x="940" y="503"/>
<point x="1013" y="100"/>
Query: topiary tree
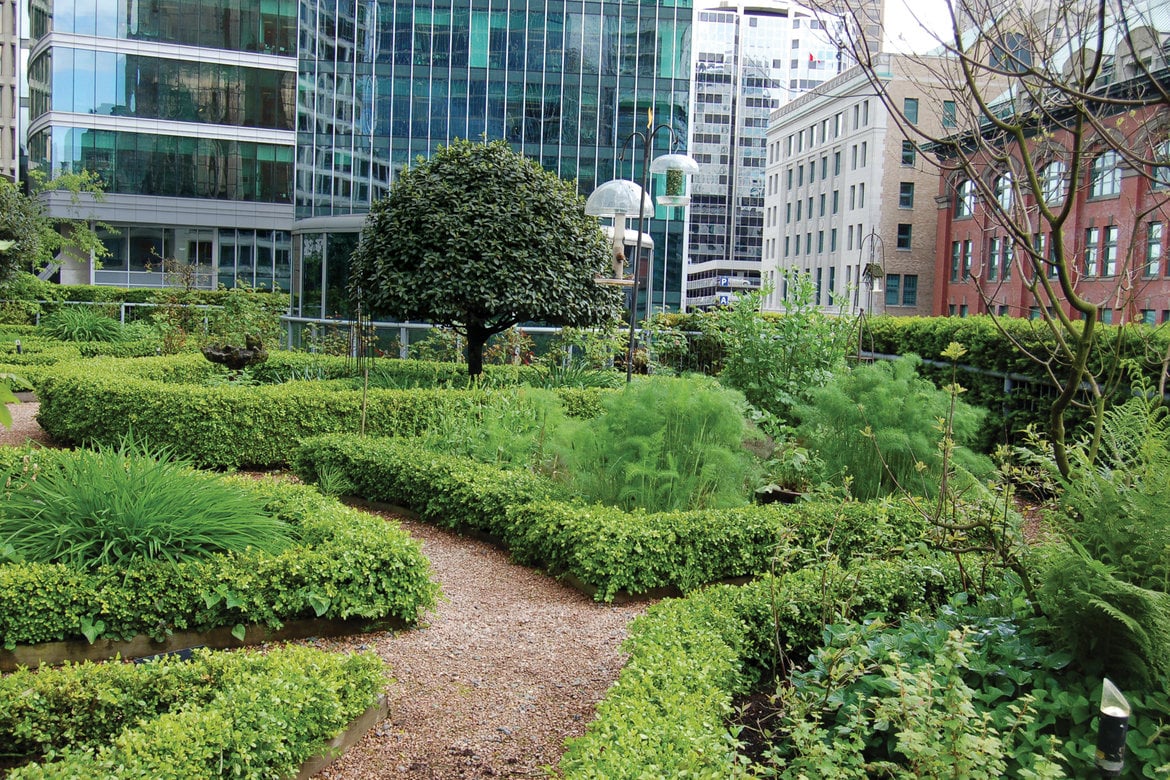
<point x="481" y="238"/>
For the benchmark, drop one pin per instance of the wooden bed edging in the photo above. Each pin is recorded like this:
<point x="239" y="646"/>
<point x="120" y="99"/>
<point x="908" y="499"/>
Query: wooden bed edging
<point x="78" y="650"/>
<point x="337" y="746"/>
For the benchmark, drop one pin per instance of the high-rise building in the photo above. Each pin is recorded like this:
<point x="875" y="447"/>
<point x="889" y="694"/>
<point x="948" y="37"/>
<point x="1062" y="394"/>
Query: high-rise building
<point x="565" y="83"/>
<point x="850" y="198"/>
<point x="186" y="109"/>
<point x="750" y="59"/>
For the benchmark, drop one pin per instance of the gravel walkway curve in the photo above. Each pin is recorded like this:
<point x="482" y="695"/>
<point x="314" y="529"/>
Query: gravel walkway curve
<point x="509" y="665"/>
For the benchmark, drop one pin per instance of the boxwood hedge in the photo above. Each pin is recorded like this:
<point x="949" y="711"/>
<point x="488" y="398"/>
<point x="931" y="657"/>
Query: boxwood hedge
<point x="240" y="714"/>
<point x="603" y="548"/>
<point x="669" y="713"/>
<point x="178" y="401"/>
<point x="346" y="564"/>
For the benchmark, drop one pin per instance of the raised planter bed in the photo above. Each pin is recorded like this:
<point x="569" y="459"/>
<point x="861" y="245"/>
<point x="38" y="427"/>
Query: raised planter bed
<point x="142" y="646"/>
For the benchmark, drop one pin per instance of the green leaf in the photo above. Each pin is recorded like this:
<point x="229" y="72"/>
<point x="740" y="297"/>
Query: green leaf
<point x="239" y="631"/>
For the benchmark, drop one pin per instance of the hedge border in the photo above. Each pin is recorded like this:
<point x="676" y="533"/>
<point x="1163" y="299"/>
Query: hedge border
<point x="225" y="426"/>
<point x="349" y="565"/>
<point x="604" y="550"/>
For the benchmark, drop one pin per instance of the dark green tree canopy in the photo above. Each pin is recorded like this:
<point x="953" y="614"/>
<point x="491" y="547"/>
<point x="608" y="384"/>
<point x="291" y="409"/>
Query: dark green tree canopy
<point x="481" y="238"/>
<point x="30" y="238"/>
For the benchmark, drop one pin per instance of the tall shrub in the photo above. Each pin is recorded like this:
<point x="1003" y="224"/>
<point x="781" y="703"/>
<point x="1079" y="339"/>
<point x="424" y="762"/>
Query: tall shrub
<point x="660" y="444"/>
<point x="879" y="425"/>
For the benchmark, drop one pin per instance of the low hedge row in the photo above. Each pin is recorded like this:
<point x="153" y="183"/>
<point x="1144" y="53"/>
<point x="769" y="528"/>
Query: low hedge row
<point x="602" y="547"/>
<point x="668" y="714"/>
<point x="167" y="401"/>
<point x="346" y="564"/>
<point x="239" y="714"/>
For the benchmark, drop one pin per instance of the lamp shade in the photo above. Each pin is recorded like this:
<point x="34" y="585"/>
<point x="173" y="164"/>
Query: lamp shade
<point x="674" y="162"/>
<point x="619" y="196"/>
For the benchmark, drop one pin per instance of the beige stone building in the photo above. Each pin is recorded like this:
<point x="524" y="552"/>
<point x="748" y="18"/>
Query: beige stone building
<point x="850" y="198"/>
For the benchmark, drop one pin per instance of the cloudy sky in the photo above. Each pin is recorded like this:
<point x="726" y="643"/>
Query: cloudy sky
<point x="909" y="24"/>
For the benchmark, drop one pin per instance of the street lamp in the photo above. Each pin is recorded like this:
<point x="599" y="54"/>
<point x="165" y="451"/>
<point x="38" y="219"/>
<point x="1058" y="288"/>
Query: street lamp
<point x="604" y="201"/>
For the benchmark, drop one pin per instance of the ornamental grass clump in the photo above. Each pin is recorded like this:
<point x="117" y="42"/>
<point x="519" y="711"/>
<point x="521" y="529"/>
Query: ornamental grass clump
<point x="117" y="506"/>
<point x="75" y="323"/>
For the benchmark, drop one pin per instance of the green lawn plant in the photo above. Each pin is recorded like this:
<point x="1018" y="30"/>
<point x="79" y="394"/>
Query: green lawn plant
<point x="660" y="444"/>
<point x="115" y="506"/>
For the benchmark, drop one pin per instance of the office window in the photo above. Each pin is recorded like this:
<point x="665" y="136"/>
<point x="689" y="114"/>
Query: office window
<point x="820" y="279"/>
<point x="1154" y="249"/>
<point x="800" y="176"/>
<point x="787" y="245"/>
<point x="825" y="166"/>
<point x="968" y="256"/>
<point x="833" y="240"/>
<point x="963" y="310"/>
<point x="904" y="229"/>
<point x="789" y="182"/>
<point x="1007" y="255"/>
<point x="1107" y="316"/>
<point x="861" y="196"/>
<point x="956" y="260"/>
<point x="910" y="109"/>
<point x="837" y="163"/>
<point x="799" y="206"/>
<point x="788" y="213"/>
<point x="853" y="157"/>
<point x="949" y="116"/>
<point x="865" y="114"/>
<point x="910" y="290"/>
<point x="1149" y="317"/>
<point x="821" y="210"/>
<point x="1052" y="178"/>
<point x="1109" y="251"/>
<point x="820" y="241"/>
<point x="906" y="195"/>
<point x="1105" y="175"/>
<point x="864" y="152"/>
<point x="852" y="196"/>
<point x="993" y="259"/>
<point x="909" y="153"/>
<point x="965" y="199"/>
<point x="1161" y="172"/>
<point x="1092" y="252"/>
<point x="893" y="289"/>
<point x="1003" y="191"/>
<point x="812" y="172"/>
<point x="836" y="200"/>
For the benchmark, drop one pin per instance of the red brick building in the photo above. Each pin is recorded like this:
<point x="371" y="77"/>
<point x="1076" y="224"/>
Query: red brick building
<point x="1116" y="235"/>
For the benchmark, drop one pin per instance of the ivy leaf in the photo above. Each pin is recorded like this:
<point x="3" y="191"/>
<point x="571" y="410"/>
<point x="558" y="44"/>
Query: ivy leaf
<point x="238" y="631"/>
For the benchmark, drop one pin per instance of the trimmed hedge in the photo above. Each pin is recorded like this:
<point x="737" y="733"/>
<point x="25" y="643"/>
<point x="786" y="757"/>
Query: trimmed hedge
<point x="668" y="713"/>
<point x="602" y="547"/>
<point x="346" y="564"/>
<point x="219" y="715"/>
<point x="168" y="401"/>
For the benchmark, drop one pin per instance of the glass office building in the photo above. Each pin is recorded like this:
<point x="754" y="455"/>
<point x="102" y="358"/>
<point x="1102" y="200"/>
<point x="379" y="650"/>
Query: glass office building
<point x="187" y="111"/>
<point x="750" y="59"/>
<point x="564" y="81"/>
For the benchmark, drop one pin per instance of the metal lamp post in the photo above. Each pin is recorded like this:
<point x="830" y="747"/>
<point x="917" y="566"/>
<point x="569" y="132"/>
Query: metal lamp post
<point x="612" y="199"/>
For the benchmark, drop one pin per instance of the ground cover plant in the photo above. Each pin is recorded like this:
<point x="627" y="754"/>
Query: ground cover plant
<point x="220" y="714"/>
<point x="339" y="564"/>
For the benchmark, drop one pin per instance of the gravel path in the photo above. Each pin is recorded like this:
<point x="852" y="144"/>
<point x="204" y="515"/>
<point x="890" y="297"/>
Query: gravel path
<point x="509" y="665"/>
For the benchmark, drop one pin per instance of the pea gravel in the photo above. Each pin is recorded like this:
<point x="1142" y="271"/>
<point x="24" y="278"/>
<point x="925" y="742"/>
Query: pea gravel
<point x="509" y="665"/>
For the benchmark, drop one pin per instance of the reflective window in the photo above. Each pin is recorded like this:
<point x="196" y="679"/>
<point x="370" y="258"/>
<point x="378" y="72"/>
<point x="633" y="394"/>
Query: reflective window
<point x="1105" y="175"/>
<point x="1052" y="182"/>
<point x="176" y="166"/>
<point x="965" y="198"/>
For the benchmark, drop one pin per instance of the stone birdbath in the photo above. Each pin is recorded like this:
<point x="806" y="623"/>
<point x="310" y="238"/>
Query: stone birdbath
<point x="237" y="358"/>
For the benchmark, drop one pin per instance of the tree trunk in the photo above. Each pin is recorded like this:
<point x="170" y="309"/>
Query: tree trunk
<point x="476" y="340"/>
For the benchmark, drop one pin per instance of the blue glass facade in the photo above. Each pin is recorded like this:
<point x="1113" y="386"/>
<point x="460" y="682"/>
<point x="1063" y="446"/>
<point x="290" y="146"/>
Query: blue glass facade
<point x="187" y="110"/>
<point x="564" y="82"/>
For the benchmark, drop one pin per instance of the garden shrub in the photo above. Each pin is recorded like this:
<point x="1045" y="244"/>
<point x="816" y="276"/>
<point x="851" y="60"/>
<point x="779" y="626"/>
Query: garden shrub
<point x="76" y="323"/>
<point x="345" y="564"/>
<point x="119" y="506"/>
<point x="169" y="401"/>
<point x="660" y="444"/>
<point x="879" y="426"/>
<point x="218" y="715"/>
<point x="668" y="713"/>
<point x="602" y="547"/>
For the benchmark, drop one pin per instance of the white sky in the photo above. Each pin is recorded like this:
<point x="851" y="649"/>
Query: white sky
<point x="909" y="22"/>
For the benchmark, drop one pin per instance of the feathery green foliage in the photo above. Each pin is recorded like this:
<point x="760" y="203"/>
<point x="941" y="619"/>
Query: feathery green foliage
<point x="1107" y="591"/>
<point x="881" y="424"/>
<point x="114" y="506"/>
<point x="81" y="323"/>
<point x="508" y="426"/>
<point x="661" y="444"/>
